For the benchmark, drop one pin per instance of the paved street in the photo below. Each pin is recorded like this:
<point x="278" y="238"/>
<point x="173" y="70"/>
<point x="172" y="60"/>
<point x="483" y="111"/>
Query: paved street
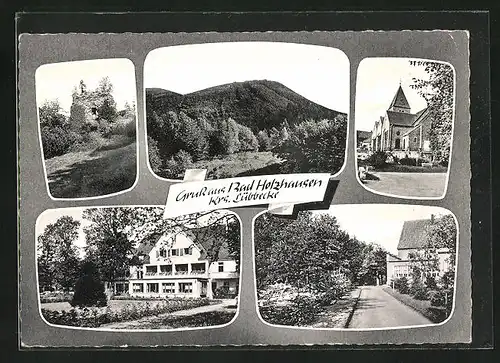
<point x="378" y="309"/>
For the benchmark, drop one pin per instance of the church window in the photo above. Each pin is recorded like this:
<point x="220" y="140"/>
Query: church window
<point x="397" y="133"/>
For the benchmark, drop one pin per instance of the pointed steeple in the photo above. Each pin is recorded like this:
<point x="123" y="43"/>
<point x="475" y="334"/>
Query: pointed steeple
<point x="399" y="102"/>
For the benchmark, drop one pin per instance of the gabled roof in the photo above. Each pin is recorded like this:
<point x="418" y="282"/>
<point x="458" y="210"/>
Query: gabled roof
<point x="414" y="234"/>
<point x="400" y="100"/>
<point x="400" y="118"/>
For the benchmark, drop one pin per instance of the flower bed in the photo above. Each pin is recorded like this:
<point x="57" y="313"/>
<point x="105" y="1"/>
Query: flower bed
<point x="302" y="310"/>
<point x="95" y="317"/>
<point x="435" y="314"/>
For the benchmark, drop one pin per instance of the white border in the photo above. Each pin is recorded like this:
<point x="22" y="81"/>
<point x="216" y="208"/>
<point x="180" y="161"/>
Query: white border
<point x="136" y="138"/>
<point x="360" y="329"/>
<point x="132" y="330"/>
<point x="451" y="141"/>
<point x="348" y="114"/>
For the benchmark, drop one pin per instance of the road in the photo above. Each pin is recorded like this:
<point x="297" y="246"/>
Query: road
<point x="378" y="309"/>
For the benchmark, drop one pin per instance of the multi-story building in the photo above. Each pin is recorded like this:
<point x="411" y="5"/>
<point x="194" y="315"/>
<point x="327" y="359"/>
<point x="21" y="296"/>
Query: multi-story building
<point x="178" y="265"/>
<point x="413" y="239"/>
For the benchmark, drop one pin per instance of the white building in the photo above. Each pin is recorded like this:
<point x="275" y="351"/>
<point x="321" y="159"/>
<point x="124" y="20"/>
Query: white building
<point x="178" y="265"/>
<point x="413" y="238"/>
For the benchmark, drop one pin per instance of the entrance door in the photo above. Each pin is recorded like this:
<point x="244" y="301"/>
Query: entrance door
<point x="397" y="144"/>
<point x="203" y="289"/>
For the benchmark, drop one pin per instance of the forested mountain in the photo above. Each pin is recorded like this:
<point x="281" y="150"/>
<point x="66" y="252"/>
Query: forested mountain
<point x="259" y="104"/>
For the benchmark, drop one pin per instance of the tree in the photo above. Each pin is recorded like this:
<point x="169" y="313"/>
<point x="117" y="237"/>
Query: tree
<point x="315" y="146"/>
<point x="57" y="255"/>
<point x="225" y="137"/>
<point x="374" y="264"/>
<point x="50" y="114"/>
<point x="104" y="92"/>
<point x="89" y="288"/>
<point x="154" y="155"/>
<point x="108" y="244"/>
<point x="264" y="140"/>
<point x="194" y="137"/>
<point x="438" y="91"/>
<point x="246" y="138"/>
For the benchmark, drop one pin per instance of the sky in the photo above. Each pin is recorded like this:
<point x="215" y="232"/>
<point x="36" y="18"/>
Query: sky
<point x="56" y="80"/>
<point x="321" y="74"/>
<point x="377" y="82"/>
<point x="379" y="223"/>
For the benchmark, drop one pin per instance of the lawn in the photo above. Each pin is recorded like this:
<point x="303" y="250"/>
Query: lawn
<point x="108" y="169"/>
<point x="408" y="184"/>
<point x="240" y="164"/>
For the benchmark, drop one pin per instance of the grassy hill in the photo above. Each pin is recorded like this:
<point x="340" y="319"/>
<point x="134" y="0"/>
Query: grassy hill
<point x="259" y="104"/>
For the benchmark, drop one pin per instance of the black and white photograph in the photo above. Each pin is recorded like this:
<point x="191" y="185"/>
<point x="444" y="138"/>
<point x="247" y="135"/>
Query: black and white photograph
<point x="246" y="108"/>
<point x="87" y="123"/>
<point x="371" y="266"/>
<point x="404" y="126"/>
<point x="127" y="268"/>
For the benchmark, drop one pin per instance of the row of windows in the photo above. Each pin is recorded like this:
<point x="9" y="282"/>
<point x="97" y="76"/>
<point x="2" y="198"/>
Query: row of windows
<point x="175" y="252"/>
<point x="166" y="287"/>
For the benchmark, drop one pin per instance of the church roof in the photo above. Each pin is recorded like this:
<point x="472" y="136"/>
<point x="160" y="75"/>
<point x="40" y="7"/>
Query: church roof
<point x="414" y="234"/>
<point x="400" y="118"/>
<point x="400" y="100"/>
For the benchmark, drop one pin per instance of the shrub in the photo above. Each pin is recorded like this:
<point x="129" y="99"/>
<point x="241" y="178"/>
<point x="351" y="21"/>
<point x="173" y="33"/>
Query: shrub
<point x="246" y="138"/>
<point x="264" y="140"/>
<point x="418" y="290"/>
<point x="89" y="289"/>
<point x="408" y="161"/>
<point x="58" y="140"/>
<point x="437" y="297"/>
<point x="224" y="293"/>
<point x="430" y="283"/>
<point x="378" y="159"/>
<point x="178" y="163"/>
<point x="401" y="285"/>
<point x="301" y="311"/>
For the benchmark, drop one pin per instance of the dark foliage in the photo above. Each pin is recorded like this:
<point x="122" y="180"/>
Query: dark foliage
<point x="378" y="159"/>
<point x="89" y="289"/>
<point x="301" y="311"/>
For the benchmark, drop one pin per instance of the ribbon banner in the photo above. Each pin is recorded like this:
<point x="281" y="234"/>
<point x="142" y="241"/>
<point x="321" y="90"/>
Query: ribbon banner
<point x="281" y="192"/>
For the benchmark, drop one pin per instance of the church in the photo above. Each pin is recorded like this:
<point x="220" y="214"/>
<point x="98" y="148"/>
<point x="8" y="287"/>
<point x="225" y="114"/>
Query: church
<point x="401" y="132"/>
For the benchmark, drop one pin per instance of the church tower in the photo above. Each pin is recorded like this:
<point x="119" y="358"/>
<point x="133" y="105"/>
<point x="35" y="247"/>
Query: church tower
<point x="399" y="102"/>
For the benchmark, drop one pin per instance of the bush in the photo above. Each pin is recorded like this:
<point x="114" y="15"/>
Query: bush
<point x="418" y="290"/>
<point x="224" y="293"/>
<point x="177" y="164"/>
<point x="301" y="311"/>
<point x="89" y="289"/>
<point x="430" y="283"/>
<point x="58" y="140"/>
<point x="408" y="161"/>
<point x="378" y="159"/>
<point x="437" y="297"/>
<point x="401" y="285"/>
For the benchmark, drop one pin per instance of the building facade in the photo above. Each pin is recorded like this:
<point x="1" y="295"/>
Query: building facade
<point x="413" y="239"/>
<point x="178" y="266"/>
<point x="401" y="132"/>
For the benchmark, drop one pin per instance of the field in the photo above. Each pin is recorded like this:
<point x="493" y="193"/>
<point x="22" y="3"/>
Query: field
<point x="240" y="164"/>
<point x="107" y="169"/>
